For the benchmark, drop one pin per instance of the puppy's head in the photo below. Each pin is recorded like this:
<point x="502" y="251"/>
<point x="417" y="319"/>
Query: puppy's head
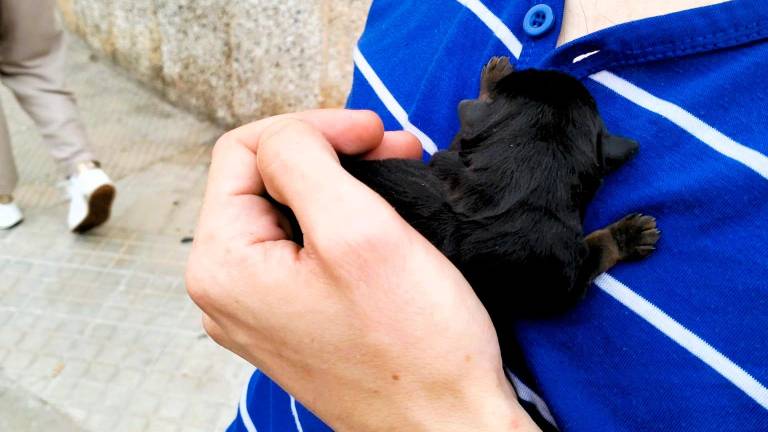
<point x="539" y="118"/>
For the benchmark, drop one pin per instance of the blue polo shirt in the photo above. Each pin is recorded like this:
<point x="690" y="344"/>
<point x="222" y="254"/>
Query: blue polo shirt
<point x="676" y="342"/>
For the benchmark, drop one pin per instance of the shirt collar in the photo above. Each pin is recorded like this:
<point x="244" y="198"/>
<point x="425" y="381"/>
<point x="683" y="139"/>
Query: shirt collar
<point x="688" y="32"/>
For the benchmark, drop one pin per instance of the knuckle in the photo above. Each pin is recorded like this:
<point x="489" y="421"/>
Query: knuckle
<point x="211" y="329"/>
<point x="196" y="291"/>
<point x="275" y="133"/>
<point x="223" y="143"/>
<point x="279" y="124"/>
<point x="194" y="282"/>
<point x="282" y="145"/>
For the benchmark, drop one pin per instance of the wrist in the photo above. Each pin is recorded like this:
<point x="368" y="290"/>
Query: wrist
<point x="493" y="408"/>
<point x="473" y="406"/>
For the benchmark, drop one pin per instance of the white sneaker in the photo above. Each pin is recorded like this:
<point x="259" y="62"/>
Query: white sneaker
<point x="91" y="193"/>
<point x="10" y="215"/>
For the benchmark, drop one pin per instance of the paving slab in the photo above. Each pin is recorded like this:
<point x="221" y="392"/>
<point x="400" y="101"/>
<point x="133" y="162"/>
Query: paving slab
<point x="30" y="413"/>
<point x="97" y="330"/>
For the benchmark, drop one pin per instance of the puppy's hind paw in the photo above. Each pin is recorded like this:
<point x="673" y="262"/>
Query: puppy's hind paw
<point x="636" y="236"/>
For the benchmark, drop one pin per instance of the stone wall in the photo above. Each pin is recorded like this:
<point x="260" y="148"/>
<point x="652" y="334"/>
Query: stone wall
<point x="231" y="60"/>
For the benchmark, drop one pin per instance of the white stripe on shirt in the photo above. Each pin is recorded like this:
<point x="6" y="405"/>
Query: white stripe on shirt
<point x="687" y="121"/>
<point x="687" y="339"/>
<point x="243" y="408"/>
<point x="497" y="26"/>
<point x="525" y="393"/>
<point x="390" y="102"/>
<point x="295" y="414"/>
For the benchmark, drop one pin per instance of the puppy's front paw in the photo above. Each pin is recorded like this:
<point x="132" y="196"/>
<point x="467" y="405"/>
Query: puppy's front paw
<point x="496" y="69"/>
<point x="636" y="236"/>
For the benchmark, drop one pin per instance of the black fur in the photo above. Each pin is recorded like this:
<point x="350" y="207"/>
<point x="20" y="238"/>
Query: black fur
<point x="506" y="203"/>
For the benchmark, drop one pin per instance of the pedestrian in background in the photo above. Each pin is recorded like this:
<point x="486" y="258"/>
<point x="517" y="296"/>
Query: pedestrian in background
<point x="31" y="66"/>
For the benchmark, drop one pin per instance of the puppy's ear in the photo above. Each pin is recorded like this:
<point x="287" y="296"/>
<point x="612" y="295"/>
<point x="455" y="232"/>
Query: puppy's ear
<point x="615" y="150"/>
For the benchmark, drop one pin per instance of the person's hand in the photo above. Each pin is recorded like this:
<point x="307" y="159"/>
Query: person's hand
<point x="368" y="324"/>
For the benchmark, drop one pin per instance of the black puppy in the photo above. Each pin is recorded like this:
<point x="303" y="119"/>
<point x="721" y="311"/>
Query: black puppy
<point x="506" y="202"/>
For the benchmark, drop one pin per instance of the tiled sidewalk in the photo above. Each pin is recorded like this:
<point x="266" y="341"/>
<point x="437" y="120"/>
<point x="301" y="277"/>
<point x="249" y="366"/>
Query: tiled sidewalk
<point x="100" y="326"/>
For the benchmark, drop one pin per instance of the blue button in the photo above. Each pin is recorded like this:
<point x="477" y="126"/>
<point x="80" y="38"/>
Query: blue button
<point x="538" y="20"/>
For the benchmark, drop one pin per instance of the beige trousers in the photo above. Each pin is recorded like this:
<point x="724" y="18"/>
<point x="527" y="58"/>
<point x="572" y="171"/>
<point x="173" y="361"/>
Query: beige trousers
<point x="31" y="65"/>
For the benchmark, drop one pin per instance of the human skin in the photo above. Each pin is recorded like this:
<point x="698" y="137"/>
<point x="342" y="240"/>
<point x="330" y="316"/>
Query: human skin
<point x="367" y="324"/>
<point x="582" y="17"/>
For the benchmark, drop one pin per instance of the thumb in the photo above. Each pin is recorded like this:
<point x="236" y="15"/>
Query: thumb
<point x="300" y="169"/>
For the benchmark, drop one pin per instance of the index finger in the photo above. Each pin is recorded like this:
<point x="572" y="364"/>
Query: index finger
<point x="233" y="166"/>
